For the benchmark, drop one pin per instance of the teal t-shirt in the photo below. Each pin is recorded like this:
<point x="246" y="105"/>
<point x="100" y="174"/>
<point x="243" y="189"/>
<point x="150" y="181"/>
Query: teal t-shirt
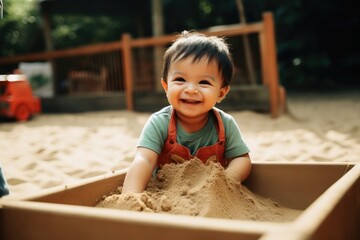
<point x="155" y="133"/>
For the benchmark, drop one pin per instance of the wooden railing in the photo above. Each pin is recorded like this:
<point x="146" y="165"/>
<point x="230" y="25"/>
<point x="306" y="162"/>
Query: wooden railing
<point x="267" y="48"/>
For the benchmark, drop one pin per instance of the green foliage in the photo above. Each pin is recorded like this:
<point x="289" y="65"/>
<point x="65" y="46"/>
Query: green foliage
<point x="19" y="27"/>
<point x="316" y="42"/>
<point x="199" y="14"/>
<point x="76" y="30"/>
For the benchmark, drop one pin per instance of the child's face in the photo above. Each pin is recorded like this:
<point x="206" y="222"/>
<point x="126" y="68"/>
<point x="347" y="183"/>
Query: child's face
<point x="193" y="88"/>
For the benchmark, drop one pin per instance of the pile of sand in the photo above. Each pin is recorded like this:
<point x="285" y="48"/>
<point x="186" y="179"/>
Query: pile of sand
<point x="196" y="189"/>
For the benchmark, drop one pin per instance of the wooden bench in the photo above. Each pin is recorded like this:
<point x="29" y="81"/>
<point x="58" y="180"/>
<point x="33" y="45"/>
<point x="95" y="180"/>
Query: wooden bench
<point x="86" y="81"/>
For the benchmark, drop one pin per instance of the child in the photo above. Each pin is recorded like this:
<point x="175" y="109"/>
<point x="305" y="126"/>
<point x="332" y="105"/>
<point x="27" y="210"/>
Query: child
<point x="196" y="75"/>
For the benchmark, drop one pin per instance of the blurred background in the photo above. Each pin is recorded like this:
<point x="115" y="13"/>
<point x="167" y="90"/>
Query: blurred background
<point x="317" y="41"/>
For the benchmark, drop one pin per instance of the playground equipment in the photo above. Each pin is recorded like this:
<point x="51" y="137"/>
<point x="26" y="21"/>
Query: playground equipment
<point x="130" y="79"/>
<point x="16" y="98"/>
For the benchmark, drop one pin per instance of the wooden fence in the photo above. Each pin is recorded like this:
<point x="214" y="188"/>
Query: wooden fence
<point x="118" y="58"/>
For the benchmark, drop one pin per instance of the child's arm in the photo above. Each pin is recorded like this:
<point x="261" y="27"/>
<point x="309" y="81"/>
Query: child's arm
<point x="239" y="167"/>
<point x="140" y="171"/>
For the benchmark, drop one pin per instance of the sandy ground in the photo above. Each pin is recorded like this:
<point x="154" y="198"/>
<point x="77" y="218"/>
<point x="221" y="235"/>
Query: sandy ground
<point x="56" y="149"/>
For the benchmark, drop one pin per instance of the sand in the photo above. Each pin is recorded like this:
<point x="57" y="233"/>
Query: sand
<point x="58" y="149"/>
<point x="195" y="189"/>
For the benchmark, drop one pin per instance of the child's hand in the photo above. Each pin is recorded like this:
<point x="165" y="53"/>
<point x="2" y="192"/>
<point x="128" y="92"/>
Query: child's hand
<point x="231" y="174"/>
<point x="239" y="168"/>
<point x="140" y="171"/>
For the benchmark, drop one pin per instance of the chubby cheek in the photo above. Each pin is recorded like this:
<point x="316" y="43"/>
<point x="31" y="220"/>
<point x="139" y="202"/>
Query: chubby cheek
<point x="172" y="94"/>
<point x="211" y="95"/>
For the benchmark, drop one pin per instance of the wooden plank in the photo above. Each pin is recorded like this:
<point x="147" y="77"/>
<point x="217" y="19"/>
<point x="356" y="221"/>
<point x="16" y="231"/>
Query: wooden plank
<point x="73" y="52"/>
<point x="272" y="71"/>
<point x="84" y="103"/>
<point x="128" y="71"/>
<point x="56" y="221"/>
<point x="231" y="30"/>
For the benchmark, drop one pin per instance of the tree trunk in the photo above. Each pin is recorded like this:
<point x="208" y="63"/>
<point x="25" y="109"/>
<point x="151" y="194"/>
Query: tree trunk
<point x="158" y="30"/>
<point x="247" y="49"/>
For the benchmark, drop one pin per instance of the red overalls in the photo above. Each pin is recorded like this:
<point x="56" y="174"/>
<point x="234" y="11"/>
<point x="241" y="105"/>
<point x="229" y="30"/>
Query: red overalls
<point x="173" y="152"/>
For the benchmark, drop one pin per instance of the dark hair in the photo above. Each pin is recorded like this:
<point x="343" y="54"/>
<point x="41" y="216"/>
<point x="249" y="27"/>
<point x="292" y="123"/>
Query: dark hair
<point x="200" y="46"/>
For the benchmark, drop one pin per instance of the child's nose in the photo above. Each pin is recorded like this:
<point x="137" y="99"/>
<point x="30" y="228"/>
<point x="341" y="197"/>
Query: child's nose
<point x="191" y="87"/>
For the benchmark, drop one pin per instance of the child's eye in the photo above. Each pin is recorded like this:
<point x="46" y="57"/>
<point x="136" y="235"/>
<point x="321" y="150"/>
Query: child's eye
<point x="179" y="79"/>
<point x="204" y="82"/>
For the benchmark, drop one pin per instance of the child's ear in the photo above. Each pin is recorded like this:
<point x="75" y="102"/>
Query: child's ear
<point x="164" y="84"/>
<point x="223" y="92"/>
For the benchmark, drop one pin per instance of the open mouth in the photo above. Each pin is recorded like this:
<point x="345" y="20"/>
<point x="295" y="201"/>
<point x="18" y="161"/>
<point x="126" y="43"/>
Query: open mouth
<point x="190" y="101"/>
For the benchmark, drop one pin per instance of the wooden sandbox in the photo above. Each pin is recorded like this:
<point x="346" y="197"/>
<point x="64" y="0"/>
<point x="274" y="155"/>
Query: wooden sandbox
<point x="327" y="193"/>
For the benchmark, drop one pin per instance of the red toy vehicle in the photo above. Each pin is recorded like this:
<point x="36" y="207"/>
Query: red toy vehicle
<point x="16" y="98"/>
